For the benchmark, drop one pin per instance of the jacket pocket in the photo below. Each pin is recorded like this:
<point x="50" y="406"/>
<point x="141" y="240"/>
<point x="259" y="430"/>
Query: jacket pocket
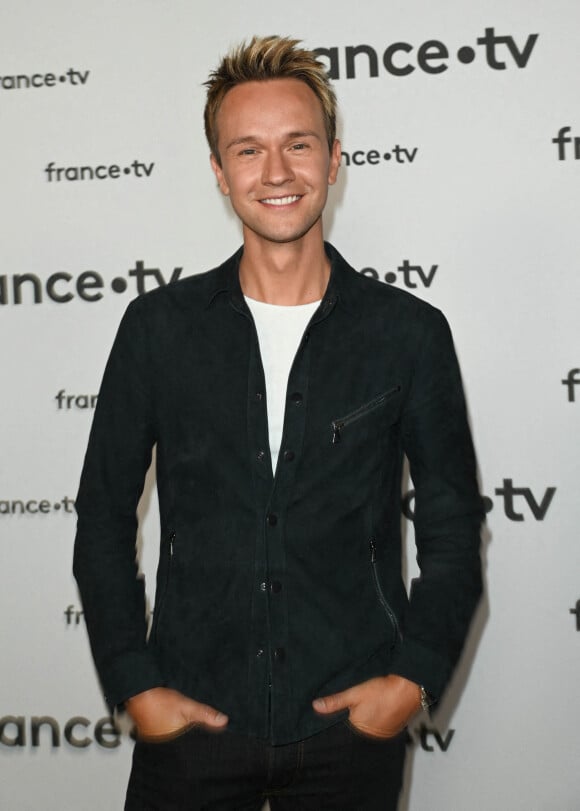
<point x="166" y="738"/>
<point x="390" y="614"/>
<point x="340" y="424"/>
<point x="163" y="583"/>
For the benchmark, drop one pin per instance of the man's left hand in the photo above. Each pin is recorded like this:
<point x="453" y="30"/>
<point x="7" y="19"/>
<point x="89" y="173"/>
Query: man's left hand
<point x="379" y="707"/>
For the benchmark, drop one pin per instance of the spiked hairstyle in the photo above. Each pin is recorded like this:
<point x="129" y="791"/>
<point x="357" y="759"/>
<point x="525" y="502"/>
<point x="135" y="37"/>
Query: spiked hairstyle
<point x="261" y="59"/>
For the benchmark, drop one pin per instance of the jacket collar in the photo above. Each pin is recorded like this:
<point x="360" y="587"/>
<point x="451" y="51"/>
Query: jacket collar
<point x="339" y="289"/>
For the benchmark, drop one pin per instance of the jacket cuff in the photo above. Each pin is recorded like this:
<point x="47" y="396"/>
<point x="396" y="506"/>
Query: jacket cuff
<point x="422" y="666"/>
<point x="129" y="674"/>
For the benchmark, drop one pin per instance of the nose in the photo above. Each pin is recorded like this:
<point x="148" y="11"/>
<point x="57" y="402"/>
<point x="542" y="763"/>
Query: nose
<point x="276" y="169"/>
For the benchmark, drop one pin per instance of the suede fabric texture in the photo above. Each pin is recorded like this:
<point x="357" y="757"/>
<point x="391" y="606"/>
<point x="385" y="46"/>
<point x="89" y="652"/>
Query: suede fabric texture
<point x="273" y="590"/>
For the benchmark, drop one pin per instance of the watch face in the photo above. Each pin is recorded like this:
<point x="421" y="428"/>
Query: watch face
<point x="427" y="700"/>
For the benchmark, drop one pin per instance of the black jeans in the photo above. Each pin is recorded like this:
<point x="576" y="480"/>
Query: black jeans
<point x="337" y="770"/>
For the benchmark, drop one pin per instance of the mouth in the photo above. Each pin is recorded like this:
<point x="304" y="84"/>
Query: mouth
<point x="281" y="201"/>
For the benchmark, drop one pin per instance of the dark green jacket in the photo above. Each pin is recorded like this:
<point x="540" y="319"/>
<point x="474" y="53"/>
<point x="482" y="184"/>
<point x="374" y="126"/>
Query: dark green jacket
<point x="272" y="590"/>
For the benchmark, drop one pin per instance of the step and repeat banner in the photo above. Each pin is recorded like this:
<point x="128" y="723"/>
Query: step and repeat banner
<point x="460" y="182"/>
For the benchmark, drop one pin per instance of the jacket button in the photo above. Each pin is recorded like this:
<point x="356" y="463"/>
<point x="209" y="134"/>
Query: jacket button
<point x="259" y="396"/>
<point x="296" y="398"/>
<point x="260" y="456"/>
<point x="288" y="456"/>
<point x="279" y="654"/>
<point x="275" y="587"/>
<point x="263" y="586"/>
<point x="272" y="519"/>
<point x="259" y="652"/>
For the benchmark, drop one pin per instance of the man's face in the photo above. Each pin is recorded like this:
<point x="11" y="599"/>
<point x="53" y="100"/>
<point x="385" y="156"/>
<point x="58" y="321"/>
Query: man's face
<point x="276" y="164"/>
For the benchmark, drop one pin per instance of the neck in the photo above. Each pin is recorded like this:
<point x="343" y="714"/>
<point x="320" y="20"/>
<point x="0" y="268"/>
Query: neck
<point x="284" y="273"/>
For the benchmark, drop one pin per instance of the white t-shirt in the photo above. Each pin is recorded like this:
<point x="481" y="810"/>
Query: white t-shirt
<point x="280" y="329"/>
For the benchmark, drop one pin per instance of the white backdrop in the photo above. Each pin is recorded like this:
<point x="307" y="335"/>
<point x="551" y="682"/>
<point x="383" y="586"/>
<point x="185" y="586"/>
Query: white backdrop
<point x="476" y="194"/>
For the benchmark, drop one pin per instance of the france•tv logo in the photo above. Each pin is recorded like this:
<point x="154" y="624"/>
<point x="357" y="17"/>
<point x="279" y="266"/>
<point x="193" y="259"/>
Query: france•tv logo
<point x="572" y="380"/>
<point x="576" y="612"/>
<point x="562" y="139"/>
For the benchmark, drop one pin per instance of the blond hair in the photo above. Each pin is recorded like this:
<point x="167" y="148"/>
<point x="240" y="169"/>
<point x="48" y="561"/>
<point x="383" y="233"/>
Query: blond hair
<point x="266" y="58"/>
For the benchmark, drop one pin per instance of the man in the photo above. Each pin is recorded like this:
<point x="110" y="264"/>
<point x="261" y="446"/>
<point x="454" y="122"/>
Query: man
<point x="281" y="391"/>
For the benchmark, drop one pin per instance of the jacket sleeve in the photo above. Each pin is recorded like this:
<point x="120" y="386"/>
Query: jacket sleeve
<point x="448" y="513"/>
<point x="116" y="462"/>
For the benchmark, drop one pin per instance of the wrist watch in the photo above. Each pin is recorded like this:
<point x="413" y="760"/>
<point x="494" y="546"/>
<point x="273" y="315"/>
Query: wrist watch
<point x="427" y="700"/>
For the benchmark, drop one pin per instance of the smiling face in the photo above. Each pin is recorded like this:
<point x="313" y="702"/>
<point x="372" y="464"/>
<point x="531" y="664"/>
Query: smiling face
<point x="275" y="162"/>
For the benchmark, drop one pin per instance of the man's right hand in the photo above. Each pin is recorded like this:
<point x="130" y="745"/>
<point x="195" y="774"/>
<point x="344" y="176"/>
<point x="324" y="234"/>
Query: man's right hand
<point x="164" y="713"/>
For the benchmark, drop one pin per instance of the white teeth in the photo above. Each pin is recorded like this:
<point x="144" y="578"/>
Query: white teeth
<point x="281" y="201"/>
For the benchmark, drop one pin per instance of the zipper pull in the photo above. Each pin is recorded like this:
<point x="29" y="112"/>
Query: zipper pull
<point x="336" y="428"/>
<point x="171" y="539"/>
<point x="373" y="549"/>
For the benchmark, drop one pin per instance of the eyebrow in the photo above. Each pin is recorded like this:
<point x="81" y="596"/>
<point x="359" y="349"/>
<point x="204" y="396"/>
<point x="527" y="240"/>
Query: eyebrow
<point x="247" y="139"/>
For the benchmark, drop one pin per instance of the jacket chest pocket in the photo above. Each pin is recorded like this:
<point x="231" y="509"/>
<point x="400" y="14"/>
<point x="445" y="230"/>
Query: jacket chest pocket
<point x="342" y="424"/>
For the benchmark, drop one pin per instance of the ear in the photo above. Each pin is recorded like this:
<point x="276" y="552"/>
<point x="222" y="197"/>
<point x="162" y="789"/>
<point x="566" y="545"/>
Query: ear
<point x="335" y="158"/>
<point x="218" y="172"/>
